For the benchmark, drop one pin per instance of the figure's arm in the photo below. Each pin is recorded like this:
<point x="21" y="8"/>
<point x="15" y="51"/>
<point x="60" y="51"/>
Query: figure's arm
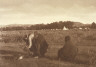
<point x="30" y="40"/>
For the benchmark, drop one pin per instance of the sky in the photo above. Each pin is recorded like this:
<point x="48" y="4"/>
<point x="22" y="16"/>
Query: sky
<point x="46" y="11"/>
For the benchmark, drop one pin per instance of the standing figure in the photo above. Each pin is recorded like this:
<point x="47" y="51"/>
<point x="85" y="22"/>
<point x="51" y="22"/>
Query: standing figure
<point x="37" y="44"/>
<point x="68" y="51"/>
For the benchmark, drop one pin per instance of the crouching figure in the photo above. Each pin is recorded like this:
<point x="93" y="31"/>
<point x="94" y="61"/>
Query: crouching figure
<point x="68" y="51"/>
<point x="37" y="44"/>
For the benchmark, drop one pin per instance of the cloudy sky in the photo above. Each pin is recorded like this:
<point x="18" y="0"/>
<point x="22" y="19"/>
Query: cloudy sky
<point x="46" y="11"/>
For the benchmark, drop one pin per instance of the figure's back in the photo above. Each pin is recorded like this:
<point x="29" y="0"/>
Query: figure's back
<point x="69" y="50"/>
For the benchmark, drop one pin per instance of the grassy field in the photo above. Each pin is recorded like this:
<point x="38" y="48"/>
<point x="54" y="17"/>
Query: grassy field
<point x="11" y="47"/>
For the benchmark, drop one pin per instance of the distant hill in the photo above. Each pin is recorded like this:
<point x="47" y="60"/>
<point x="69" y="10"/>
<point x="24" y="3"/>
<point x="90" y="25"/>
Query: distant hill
<point x="54" y="25"/>
<point x="18" y="25"/>
<point x="2" y="26"/>
<point x="78" y="24"/>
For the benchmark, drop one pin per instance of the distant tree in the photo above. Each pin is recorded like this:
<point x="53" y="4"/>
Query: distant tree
<point x="69" y="24"/>
<point x="93" y="25"/>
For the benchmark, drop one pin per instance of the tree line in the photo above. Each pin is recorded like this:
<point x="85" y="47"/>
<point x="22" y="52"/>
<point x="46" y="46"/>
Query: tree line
<point x="54" y="25"/>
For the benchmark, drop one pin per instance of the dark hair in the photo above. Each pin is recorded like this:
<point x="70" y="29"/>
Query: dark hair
<point x="67" y="38"/>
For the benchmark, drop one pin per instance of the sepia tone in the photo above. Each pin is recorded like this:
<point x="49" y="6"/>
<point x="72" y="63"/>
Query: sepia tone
<point x="43" y="33"/>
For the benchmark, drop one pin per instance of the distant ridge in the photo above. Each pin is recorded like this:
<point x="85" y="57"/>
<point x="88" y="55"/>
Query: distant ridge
<point x="77" y="24"/>
<point x="16" y="25"/>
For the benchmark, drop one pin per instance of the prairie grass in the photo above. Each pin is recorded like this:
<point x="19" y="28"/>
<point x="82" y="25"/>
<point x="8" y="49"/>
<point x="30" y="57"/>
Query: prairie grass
<point x="85" y="41"/>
